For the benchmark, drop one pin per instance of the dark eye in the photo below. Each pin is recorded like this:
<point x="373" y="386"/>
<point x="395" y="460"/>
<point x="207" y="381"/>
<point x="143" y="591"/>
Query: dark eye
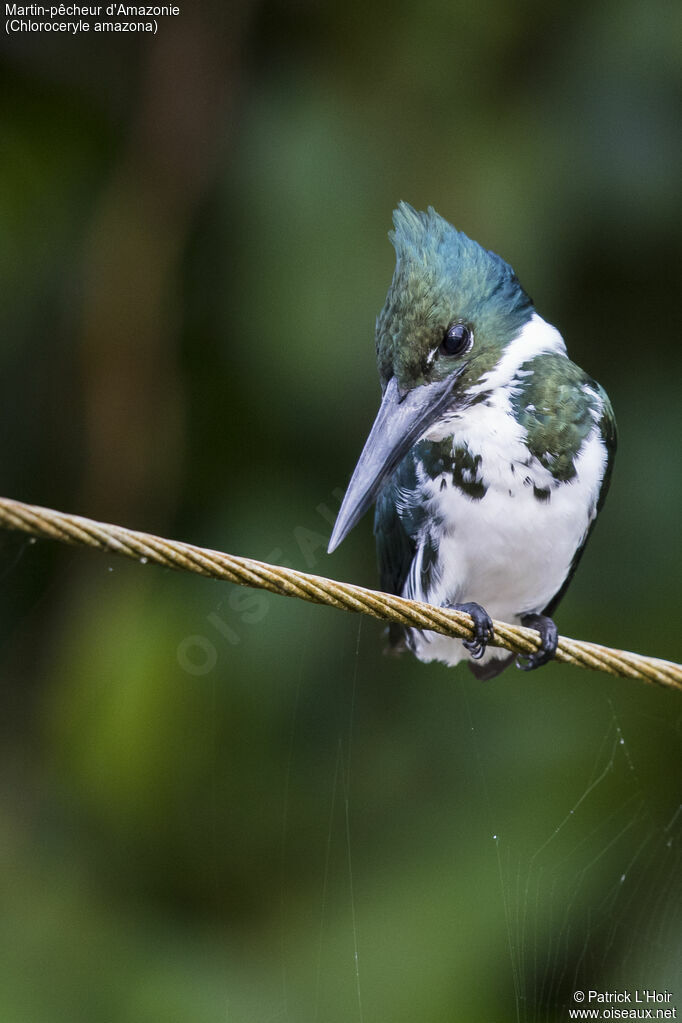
<point x="458" y="339"/>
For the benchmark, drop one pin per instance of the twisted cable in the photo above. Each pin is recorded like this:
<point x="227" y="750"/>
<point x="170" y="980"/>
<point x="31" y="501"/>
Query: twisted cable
<point x="288" y="582"/>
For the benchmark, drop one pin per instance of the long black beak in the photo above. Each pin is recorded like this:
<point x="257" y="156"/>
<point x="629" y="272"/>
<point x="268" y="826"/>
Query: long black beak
<point x="401" y="420"/>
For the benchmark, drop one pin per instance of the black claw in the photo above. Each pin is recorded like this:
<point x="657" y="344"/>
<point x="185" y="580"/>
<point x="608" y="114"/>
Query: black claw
<point x="483" y="628"/>
<point x="549" y="637"/>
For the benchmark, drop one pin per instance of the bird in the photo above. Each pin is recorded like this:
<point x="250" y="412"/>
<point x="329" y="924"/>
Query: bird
<point x="491" y="453"/>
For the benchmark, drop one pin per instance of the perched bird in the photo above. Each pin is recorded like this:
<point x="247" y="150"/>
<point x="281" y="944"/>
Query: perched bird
<point x="490" y="455"/>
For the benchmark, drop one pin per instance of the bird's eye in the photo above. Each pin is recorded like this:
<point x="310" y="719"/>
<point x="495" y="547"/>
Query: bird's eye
<point x="457" y="340"/>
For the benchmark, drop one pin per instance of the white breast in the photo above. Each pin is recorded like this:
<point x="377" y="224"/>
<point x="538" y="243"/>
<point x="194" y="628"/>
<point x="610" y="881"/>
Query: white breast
<point x="508" y="551"/>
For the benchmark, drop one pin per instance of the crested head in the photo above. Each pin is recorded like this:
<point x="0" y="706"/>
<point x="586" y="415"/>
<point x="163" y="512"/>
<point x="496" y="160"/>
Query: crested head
<point x="456" y="329"/>
<point x="451" y="304"/>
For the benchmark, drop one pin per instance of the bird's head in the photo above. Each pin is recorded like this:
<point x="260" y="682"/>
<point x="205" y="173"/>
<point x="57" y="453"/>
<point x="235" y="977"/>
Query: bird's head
<point x="451" y="310"/>
<point x="452" y="306"/>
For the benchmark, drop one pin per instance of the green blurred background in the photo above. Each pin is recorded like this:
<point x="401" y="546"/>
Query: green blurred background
<point x="224" y="806"/>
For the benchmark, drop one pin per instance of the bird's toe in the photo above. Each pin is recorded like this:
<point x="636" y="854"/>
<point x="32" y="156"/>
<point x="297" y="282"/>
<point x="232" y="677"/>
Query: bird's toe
<point x="483" y="628"/>
<point x="549" y="637"/>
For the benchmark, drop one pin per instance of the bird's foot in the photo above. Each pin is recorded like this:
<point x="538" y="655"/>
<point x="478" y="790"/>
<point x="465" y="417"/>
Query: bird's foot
<point x="483" y="628"/>
<point x="549" y="637"/>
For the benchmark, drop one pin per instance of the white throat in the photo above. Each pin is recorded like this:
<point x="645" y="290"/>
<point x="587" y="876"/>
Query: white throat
<point x="537" y="337"/>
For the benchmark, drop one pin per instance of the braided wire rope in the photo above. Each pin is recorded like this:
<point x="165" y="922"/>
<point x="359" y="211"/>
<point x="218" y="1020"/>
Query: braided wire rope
<point x="288" y="582"/>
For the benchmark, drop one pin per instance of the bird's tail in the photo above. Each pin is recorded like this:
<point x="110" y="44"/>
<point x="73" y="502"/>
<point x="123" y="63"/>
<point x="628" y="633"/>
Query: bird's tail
<point x="491" y="668"/>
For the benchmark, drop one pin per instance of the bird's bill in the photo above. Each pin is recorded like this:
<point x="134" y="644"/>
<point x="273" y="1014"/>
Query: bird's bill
<point x="401" y="420"/>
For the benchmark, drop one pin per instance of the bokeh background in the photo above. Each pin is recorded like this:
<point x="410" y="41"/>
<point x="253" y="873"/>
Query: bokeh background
<point x="224" y="806"/>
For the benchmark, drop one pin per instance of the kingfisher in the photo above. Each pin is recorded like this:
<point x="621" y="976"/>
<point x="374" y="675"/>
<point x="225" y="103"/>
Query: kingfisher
<point x="491" y="453"/>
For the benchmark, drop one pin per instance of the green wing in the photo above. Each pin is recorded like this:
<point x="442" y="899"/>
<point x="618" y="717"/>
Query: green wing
<point x="607" y="426"/>
<point x="395" y="552"/>
<point x="399" y="519"/>
<point x="556" y="404"/>
<point x="395" y="548"/>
